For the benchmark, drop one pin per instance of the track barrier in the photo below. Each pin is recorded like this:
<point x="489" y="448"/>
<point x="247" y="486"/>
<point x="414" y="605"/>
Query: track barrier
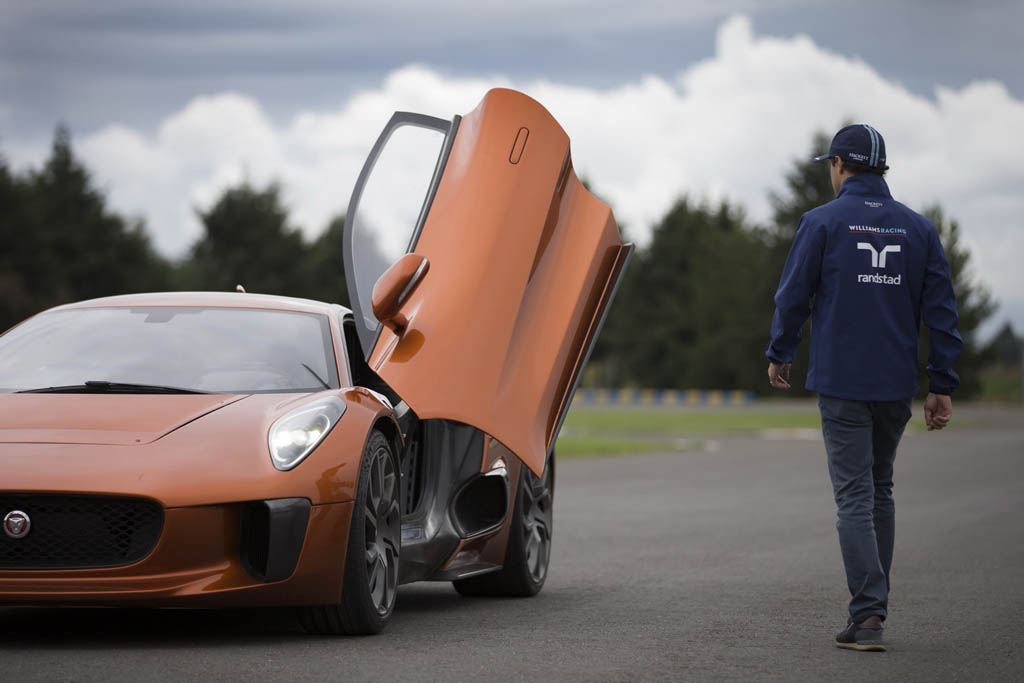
<point x="664" y="397"/>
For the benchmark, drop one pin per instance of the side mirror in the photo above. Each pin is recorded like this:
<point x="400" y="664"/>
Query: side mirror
<point x="393" y="288"/>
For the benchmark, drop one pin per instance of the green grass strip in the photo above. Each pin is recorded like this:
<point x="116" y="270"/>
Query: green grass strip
<point x="584" y="446"/>
<point x="683" y="423"/>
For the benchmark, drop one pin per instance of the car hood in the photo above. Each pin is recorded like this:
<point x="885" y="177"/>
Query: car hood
<point x="58" y="444"/>
<point x="102" y="419"/>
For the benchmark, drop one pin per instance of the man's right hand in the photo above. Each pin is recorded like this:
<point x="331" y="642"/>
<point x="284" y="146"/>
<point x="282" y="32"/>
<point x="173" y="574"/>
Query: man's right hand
<point x="938" y="409"/>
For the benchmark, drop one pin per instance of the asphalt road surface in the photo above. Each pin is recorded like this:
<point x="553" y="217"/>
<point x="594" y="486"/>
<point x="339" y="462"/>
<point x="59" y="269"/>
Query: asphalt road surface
<point x="713" y="565"/>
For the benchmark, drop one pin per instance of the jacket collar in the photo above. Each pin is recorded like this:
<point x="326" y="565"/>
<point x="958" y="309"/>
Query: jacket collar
<point x="870" y="184"/>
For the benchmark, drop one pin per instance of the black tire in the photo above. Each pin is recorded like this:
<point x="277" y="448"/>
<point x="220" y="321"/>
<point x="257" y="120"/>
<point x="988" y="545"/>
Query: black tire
<point x="529" y="543"/>
<point x="370" y="582"/>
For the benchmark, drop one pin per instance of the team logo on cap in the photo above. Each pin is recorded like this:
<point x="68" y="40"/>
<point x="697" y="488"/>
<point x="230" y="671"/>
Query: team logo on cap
<point x="17" y="524"/>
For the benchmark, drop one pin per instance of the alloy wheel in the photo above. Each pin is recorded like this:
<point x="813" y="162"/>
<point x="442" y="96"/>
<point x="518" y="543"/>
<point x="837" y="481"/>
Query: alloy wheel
<point x="383" y="528"/>
<point x="537" y="518"/>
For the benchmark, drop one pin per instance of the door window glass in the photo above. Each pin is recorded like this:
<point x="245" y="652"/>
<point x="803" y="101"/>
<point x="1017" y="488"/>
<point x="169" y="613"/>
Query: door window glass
<point x="387" y="213"/>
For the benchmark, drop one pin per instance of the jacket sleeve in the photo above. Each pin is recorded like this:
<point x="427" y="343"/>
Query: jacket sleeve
<point x="938" y="311"/>
<point x="800" y="278"/>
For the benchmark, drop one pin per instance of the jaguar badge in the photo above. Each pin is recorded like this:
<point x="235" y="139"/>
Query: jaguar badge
<point x="17" y="524"/>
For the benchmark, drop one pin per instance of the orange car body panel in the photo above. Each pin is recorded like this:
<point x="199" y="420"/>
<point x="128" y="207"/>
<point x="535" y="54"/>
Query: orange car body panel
<point x="200" y="457"/>
<point x="522" y="261"/>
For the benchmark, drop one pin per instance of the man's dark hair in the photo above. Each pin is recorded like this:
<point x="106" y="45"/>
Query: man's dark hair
<point x="856" y="169"/>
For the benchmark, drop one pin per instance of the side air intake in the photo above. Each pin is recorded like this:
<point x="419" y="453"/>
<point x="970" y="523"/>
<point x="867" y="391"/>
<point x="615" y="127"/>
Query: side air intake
<point x="480" y="504"/>
<point x="273" y="532"/>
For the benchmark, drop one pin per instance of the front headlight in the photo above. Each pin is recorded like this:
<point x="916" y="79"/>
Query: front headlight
<point x="294" y="436"/>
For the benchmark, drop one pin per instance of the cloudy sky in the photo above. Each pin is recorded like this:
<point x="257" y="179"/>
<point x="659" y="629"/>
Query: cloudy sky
<point x="169" y="103"/>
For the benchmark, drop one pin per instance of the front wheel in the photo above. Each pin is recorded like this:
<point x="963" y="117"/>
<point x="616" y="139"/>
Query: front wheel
<point x="370" y="582"/>
<point x="529" y="544"/>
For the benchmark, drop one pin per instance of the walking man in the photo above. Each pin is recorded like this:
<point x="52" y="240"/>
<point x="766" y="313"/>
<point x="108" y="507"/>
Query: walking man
<point x="874" y="269"/>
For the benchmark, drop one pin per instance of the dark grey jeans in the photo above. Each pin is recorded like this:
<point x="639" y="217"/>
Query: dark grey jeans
<point x="861" y="439"/>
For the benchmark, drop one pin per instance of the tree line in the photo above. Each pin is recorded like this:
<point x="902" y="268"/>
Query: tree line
<point x="693" y="309"/>
<point x="61" y="242"/>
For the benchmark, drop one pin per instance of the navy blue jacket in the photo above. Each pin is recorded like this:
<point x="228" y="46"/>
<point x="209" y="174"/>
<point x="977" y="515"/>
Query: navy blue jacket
<point x="874" y="268"/>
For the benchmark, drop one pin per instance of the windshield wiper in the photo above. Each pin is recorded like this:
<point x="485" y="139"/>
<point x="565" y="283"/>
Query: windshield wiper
<point x="105" y="387"/>
<point x="318" y="378"/>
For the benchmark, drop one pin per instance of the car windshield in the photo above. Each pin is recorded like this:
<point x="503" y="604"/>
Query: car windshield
<point x="215" y="350"/>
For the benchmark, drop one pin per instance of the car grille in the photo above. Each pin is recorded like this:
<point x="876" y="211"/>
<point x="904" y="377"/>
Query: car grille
<point x="80" y="532"/>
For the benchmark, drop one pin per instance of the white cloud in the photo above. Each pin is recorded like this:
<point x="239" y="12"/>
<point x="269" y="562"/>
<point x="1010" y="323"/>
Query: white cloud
<point x="728" y="126"/>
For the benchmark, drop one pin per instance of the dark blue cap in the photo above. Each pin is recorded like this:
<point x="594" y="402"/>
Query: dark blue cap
<point x="859" y="143"/>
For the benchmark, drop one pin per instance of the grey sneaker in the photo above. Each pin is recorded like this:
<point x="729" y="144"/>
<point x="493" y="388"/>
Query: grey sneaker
<point x="853" y="637"/>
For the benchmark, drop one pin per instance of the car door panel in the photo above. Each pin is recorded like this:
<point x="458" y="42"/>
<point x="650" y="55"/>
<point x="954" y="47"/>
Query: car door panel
<point x="523" y="264"/>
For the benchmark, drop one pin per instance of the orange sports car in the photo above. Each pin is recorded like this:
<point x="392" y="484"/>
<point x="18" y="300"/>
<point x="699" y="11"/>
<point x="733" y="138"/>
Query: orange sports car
<point x="223" y="449"/>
